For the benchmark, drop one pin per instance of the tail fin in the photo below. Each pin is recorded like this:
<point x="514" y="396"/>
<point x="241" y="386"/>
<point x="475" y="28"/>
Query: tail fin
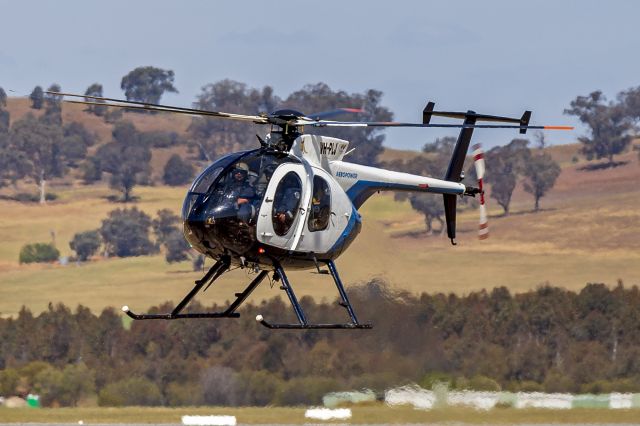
<point x="454" y="173"/>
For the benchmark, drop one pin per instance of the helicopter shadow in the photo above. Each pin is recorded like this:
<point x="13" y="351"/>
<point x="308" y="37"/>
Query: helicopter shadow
<point x="602" y="166"/>
<point x="521" y="212"/>
<point x="118" y="199"/>
<point x="423" y="233"/>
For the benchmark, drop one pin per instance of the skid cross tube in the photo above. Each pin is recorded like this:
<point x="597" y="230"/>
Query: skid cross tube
<point x="214" y="273"/>
<point x="303" y="324"/>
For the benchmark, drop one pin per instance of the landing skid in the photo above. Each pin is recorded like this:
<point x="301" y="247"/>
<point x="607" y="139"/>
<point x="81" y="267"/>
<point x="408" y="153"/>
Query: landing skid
<point x="221" y="266"/>
<point x="214" y="273"/>
<point x="303" y="324"/>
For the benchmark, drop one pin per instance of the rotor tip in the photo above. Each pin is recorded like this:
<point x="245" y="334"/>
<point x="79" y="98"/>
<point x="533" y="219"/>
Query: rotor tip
<point x="259" y="318"/>
<point x="125" y="308"/>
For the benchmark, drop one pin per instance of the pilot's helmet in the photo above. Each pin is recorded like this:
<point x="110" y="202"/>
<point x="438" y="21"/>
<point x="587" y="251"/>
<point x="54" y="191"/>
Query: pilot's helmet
<point x="241" y="169"/>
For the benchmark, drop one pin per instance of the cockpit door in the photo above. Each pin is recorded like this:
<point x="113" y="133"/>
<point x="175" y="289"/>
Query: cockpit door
<point x="283" y="207"/>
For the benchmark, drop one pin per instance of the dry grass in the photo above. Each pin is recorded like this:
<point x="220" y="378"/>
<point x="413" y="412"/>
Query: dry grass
<point x="587" y="231"/>
<point x="376" y="414"/>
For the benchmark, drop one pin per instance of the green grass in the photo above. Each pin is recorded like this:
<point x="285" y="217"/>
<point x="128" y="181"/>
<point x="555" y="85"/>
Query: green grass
<point x="374" y="414"/>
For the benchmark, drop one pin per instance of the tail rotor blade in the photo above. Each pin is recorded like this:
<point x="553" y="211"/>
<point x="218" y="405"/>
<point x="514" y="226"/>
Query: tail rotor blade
<point x="483" y="230"/>
<point x="478" y="158"/>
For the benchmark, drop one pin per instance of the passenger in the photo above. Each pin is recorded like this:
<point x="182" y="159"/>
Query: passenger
<point x="286" y="206"/>
<point x="263" y="181"/>
<point x="319" y="214"/>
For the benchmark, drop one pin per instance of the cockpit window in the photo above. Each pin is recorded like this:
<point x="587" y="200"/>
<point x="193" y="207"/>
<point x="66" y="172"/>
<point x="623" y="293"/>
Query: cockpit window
<point x="203" y="182"/>
<point x="222" y="207"/>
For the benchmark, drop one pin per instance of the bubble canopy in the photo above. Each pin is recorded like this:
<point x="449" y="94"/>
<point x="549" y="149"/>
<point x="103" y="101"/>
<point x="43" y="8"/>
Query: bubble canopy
<point x="221" y="208"/>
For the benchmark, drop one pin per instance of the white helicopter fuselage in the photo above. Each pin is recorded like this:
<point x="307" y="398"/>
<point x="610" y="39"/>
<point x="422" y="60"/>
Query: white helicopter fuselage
<point x="349" y="185"/>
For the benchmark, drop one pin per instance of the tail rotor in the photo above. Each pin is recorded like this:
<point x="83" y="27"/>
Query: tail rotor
<point x="478" y="161"/>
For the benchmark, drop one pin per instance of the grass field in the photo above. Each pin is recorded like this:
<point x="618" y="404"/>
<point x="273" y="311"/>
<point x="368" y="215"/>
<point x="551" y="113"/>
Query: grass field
<point x="376" y="414"/>
<point x="587" y="231"/>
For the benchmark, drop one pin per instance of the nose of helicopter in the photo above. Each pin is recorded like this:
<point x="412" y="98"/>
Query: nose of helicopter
<point x="218" y="225"/>
<point x="193" y="223"/>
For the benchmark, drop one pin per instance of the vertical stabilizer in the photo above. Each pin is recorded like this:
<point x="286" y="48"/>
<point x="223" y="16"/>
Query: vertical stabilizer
<point x="454" y="172"/>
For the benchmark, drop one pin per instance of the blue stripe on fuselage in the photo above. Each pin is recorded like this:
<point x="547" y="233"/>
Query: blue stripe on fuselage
<point x="363" y="189"/>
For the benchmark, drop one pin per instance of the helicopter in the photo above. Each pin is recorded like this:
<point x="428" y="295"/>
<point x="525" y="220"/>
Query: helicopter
<point x="292" y="203"/>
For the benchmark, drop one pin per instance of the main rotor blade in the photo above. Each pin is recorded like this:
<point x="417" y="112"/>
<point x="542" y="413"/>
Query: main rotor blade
<point x="397" y="124"/>
<point x="327" y="114"/>
<point x="161" y="108"/>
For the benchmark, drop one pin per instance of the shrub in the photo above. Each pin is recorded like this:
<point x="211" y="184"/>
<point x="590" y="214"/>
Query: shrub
<point x="434" y="378"/>
<point x="160" y="139"/>
<point x="220" y="386"/>
<point x="183" y="395"/>
<point x="306" y="390"/>
<point x="9" y="379"/>
<point x="47" y="384"/>
<point x="530" y="386"/>
<point x="25" y="197"/>
<point x="177" y="247"/>
<point x="134" y="391"/>
<point x="38" y="252"/>
<point x="483" y="383"/>
<point x="91" y="171"/>
<point x="85" y="244"/>
<point x="177" y="172"/>
<point x="258" y="388"/>
<point x="126" y="233"/>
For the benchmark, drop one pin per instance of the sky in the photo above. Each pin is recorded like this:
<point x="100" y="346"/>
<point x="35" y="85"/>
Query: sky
<point x="494" y="57"/>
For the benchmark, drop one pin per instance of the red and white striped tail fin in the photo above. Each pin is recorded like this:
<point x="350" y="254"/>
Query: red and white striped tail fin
<point x="478" y="161"/>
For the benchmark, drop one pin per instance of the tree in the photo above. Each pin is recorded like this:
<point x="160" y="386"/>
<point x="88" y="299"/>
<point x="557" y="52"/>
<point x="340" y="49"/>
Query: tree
<point x="610" y="125"/>
<point x="165" y="227"/>
<point x="77" y="139"/>
<point x="125" y="158"/>
<point x="77" y="382"/>
<point x="177" y="247"/>
<point x="165" y="224"/>
<point x="541" y="172"/>
<point x="367" y="141"/>
<point x="41" y="143"/>
<point x="216" y="137"/>
<point x="85" y="244"/>
<point x="53" y="106"/>
<point x="147" y="84"/>
<point x="125" y="232"/>
<point x="504" y="165"/>
<point x="433" y="163"/>
<point x="95" y="90"/>
<point x="14" y="164"/>
<point x="37" y="97"/>
<point x="91" y="170"/>
<point x="5" y="116"/>
<point x="177" y="172"/>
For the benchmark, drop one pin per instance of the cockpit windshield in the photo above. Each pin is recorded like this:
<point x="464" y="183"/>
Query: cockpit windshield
<point x="221" y="209"/>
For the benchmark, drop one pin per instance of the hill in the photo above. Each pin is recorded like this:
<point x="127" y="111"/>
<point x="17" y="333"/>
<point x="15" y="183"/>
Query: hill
<point x="586" y="232"/>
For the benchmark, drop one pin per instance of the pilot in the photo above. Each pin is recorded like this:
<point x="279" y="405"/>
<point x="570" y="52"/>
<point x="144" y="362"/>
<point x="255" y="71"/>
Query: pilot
<point x="239" y="193"/>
